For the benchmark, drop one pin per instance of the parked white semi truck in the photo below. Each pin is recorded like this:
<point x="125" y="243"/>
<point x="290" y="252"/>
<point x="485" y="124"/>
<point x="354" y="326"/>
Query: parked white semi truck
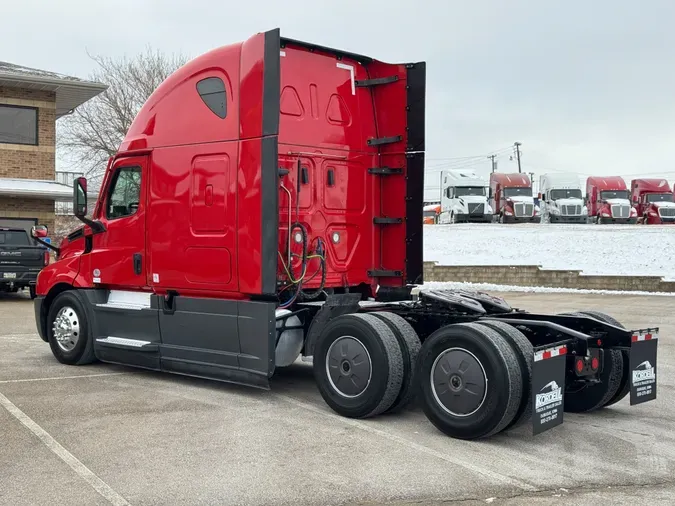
<point x="464" y="198"/>
<point x="561" y="199"/>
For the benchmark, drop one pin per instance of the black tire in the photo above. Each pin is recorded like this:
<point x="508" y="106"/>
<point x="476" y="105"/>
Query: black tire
<point x="410" y="345"/>
<point x="624" y="385"/>
<point x="32" y="291"/>
<point x="594" y="397"/>
<point x="83" y="350"/>
<point x="359" y="332"/>
<point x="482" y="351"/>
<point x="525" y="353"/>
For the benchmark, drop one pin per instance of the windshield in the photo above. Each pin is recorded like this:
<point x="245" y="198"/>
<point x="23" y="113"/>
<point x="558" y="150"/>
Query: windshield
<point x="461" y="191"/>
<point x="659" y="197"/>
<point x="614" y="194"/>
<point x="518" y="192"/>
<point x="565" y="194"/>
<point x="14" y="238"/>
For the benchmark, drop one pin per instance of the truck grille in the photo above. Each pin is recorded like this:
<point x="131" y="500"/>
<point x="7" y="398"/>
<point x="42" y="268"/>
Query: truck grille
<point x="570" y="210"/>
<point x="667" y="211"/>
<point x="620" y="211"/>
<point x="476" y="208"/>
<point x="523" y="210"/>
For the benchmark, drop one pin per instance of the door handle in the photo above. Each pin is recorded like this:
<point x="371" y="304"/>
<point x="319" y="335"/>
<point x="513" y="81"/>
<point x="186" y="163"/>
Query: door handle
<point x="138" y="263"/>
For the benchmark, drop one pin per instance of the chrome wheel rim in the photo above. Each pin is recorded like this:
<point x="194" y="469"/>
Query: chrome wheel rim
<point x="66" y="328"/>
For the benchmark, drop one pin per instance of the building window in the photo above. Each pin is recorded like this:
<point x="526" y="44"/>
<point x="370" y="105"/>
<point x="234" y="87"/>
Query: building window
<point x="212" y="91"/>
<point x="18" y="125"/>
<point x="125" y="193"/>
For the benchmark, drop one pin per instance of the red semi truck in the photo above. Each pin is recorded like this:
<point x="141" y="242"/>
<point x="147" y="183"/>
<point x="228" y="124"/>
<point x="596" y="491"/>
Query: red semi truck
<point x="653" y="199"/>
<point x="511" y="198"/>
<point x="266" y="205"/>
<point x="608" y="200"/>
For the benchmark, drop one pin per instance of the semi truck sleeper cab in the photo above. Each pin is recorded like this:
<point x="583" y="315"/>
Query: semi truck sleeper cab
<point x="266" y="205"/>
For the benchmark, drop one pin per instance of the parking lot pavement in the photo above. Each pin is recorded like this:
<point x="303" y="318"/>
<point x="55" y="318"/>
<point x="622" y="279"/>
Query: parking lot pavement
<point x="105" y="434"/>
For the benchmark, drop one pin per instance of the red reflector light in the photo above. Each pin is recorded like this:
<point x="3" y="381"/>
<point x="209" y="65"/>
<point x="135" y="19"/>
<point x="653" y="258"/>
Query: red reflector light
<point x="595" y="363"/>
<point x="46" y="259"/>
<point x="599" y="342"/>
<point x="580" y="365"/>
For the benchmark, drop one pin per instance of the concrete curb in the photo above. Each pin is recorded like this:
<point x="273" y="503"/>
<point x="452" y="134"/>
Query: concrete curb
<point x="534" y="275"/>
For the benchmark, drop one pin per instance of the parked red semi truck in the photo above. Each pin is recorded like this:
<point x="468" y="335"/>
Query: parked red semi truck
<point x="266" y="204"/>
<point x="511" y="198"/>
<point x="653" y="199"/>
<point x="608" y="200"/>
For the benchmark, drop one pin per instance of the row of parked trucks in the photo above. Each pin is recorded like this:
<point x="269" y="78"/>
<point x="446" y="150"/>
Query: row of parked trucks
<point x="509" y="199"/>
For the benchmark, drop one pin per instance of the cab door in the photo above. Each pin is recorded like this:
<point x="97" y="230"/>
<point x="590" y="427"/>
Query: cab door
<point x="118" y="257"/>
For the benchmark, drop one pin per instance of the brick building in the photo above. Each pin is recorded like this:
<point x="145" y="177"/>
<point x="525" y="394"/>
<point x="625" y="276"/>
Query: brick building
<point x="31" y="101"/>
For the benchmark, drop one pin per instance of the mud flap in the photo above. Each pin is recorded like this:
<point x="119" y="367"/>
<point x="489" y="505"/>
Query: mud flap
<point x="643" y="366"/>
<point x="548" y="388"/>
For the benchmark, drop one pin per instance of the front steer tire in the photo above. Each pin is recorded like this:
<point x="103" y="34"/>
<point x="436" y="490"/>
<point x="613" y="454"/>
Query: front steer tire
<point x="470" y="355"/>
<point x="79" y="350"/>
<point x="410" y="345"/>
<point x="358" y="365"/>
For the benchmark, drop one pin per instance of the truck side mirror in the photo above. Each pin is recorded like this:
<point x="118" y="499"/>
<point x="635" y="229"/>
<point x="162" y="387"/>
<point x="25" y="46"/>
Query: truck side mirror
<point x="80" y="197"/>
<point x="39" y="231"/>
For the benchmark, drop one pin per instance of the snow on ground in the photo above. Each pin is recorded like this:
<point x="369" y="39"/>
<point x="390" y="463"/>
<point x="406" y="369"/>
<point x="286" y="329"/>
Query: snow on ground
<point x="638" y="250"/>
<point x="489" y="287"/>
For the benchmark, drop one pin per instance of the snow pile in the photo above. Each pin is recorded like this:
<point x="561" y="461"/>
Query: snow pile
<point x="628" y="250"/>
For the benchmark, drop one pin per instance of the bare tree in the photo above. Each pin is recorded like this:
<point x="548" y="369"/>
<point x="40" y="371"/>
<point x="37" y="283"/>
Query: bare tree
<point x="93" y="133"/>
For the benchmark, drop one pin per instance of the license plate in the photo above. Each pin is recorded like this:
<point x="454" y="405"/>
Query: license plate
<point x="9" y="275"/>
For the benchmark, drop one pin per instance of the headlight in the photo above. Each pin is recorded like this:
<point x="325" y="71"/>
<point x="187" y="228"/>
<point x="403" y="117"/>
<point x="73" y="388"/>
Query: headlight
<point x="584" y="210"/>
<point x="488" y="209"/>
<point x="554" y="210"/>
<point x="633" y="211"/>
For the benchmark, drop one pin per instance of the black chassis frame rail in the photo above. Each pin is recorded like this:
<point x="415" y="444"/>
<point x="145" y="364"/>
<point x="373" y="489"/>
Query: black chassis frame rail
<point x="592" y="333"/>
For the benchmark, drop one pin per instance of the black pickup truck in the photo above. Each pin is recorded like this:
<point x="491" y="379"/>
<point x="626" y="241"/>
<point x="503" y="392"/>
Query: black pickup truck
<point x="21" y="259"/>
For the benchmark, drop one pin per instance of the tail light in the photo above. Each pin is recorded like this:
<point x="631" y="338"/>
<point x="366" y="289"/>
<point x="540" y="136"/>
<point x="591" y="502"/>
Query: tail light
<point x="46" y="258"/>
<point x="580" y="365"/>
<point x="595" y="363"/>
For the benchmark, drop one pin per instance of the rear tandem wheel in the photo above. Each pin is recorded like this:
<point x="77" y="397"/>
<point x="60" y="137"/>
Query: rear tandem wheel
<point x="624" y="386"/>
<point x="358" y="365"/>
<point x="470" y="381"/>
<point x="591" y="397"/>
<point x="410" y="345"/>
<point x="525" y="353"/>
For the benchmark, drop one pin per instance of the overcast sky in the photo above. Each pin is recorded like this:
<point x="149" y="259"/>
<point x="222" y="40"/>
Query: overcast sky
<point x="586" y="86"/>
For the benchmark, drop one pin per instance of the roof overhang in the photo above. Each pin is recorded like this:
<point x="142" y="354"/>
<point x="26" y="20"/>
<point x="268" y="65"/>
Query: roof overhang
<point x="38" y="189"/>
<point x="70" y="94"/>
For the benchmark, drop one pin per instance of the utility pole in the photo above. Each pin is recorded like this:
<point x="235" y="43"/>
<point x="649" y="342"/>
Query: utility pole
<point x="494" y="165"/>
<point x="517" y="145"/>
<point x="532" y="181"/>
